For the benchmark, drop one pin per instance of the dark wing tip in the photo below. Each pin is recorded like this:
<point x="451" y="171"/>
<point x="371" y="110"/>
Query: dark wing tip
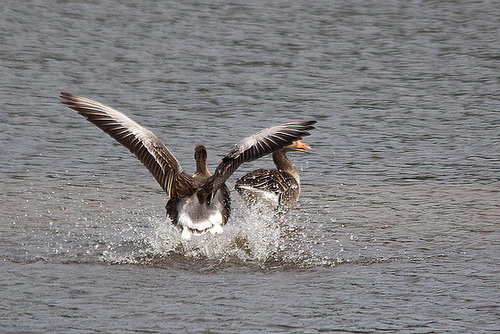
<point x="68" y="98"/>
<point x="65" y="95"/>
<point x="305" y="125"/>
<point x="296" y="130"/>
<point x="310" y="124"/>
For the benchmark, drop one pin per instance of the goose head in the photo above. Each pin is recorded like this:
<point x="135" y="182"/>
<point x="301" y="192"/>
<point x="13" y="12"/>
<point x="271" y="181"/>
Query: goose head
<point x="297" y="146"/>
<point x="200" y="156"/>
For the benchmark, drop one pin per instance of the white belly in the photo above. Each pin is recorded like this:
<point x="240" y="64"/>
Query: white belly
<point x="195" y="218"/>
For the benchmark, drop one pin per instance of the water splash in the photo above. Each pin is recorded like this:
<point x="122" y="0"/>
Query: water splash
<point x="252" y="237"/>
<point x="119" y="235"/>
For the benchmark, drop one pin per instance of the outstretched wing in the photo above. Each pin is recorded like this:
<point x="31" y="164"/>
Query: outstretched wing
<point x="256" y="146"/>
<point x="139" y="140"/>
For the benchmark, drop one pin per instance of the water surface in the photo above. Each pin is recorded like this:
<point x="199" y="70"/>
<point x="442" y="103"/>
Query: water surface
<point x="397" y="225"/>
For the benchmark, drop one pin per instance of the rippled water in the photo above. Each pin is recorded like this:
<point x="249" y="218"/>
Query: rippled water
<point x="398" y="223"/>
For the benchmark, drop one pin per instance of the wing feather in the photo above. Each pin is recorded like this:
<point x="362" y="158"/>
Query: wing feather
<point x="256" y="146"/>
<point x="148" y="148"/>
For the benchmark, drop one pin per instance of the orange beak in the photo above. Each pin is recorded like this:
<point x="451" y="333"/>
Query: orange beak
<point x="302" y="147"/>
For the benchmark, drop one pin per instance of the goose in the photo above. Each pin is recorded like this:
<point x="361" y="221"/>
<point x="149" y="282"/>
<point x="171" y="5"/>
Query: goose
<point x="277" y="189"/>
<point x="198" y="203"/>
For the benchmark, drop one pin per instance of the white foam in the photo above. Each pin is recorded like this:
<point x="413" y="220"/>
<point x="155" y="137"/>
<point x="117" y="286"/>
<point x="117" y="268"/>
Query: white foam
<point x="250" y="235"/>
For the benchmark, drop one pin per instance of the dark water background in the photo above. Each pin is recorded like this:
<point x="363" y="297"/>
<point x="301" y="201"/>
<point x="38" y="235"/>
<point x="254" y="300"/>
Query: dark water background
<point x="398" y="224"/>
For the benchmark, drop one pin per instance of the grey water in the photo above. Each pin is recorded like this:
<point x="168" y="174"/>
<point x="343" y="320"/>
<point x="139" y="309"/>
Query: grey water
<point x="398" y="225"/>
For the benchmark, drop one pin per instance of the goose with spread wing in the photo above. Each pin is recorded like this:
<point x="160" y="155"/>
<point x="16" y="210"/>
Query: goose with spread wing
<point x="277" y="189"/>
<point x="198" y="203"/>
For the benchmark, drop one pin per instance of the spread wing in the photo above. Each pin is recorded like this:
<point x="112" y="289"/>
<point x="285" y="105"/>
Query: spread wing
<point x="256" y="146"/>
<point x="139" y="140"/>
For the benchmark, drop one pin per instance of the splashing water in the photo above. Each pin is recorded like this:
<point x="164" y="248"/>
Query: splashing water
<point x="252" y="237"/>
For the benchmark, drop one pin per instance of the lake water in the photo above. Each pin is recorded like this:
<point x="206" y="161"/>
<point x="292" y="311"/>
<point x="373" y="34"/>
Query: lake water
<point x="398" y="225"/>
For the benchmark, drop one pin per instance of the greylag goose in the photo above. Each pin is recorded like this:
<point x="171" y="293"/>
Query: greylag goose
<point x="278" y="189"/>
<point x="199" y="203"/>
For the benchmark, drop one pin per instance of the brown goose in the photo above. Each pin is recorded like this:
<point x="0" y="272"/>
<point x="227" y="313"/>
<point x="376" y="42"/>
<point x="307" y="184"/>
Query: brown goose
<point x="278" y="189"/>
<point x="199" y="203"/>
